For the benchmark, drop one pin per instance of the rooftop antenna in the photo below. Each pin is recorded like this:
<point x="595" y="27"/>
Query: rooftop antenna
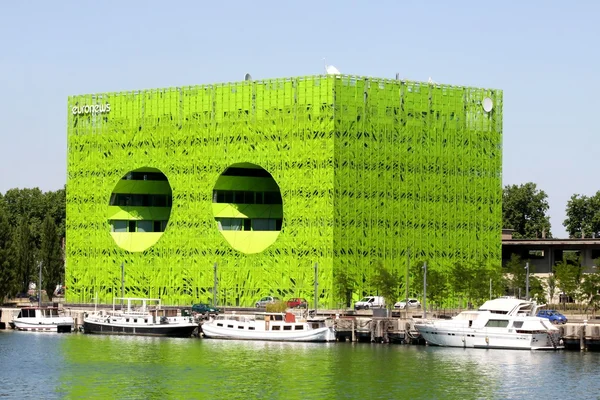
<point x="247" y="77"/>
<point x="330" y="69"/>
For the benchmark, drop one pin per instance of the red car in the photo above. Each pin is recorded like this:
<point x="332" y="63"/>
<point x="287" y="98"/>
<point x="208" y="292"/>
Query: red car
<point x="297" y="302"/>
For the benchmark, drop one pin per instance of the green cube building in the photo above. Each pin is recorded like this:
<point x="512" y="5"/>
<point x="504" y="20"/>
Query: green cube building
<point x="277" y="187"/>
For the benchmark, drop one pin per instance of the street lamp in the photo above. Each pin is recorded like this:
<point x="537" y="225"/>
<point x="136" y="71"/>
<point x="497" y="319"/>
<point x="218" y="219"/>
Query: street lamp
<point x="424" y="290"/>
<point x="316" y="296"/>
<point x="122" y="282"/>
<point x="215" y="285"/>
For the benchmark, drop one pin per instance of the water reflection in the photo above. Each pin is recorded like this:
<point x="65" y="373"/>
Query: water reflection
<point x="88" y="366"/>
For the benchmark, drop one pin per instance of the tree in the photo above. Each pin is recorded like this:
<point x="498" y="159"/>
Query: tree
<point x="551" y="283"/>
<point x="29" y="204"/>
<point x="50" y="256"/>
<point x="23" y="249"/>
<point x="34" y="205"/>
<point x="536" y="289"/>
<point x="386" y="283"/>
<point x="516" y="280"/>
<point x="472" y="279"/>
<point x="589" y="290"/>
<point x="437" y="284"/>
<point x="7" y="273"/>
<point x="524" y="209"/>
<point x="55" y="206"/>
<point x="344" y="285"/>
<point x="583" y="216"/>
<point x="569" y="273"/>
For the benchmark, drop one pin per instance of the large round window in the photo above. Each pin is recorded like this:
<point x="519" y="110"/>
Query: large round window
<point x="247" y="207"/>
<point x="139" y="209"/>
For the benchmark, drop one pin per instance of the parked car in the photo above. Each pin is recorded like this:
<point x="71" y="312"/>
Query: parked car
<point x="266" y="300"/>
<point x="412" y="303"/>
<point x="370" y="302"/>
<point x="203" y="308"/>
<point x="554" y="316"/>
<point x="297" y="302"/>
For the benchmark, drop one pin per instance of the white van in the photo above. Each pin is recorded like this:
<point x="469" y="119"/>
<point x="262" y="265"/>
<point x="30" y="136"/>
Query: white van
<point x="370" y="302"/>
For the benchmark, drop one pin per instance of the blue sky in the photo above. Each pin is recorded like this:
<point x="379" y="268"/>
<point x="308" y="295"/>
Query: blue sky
<point x="543" y="54"/>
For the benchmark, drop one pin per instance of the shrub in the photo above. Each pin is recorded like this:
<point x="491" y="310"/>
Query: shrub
<point x="278" y="306"/>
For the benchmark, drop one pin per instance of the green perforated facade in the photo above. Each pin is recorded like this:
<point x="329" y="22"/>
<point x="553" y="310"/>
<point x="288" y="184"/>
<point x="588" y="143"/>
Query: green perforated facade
<point x="360" y="170"/>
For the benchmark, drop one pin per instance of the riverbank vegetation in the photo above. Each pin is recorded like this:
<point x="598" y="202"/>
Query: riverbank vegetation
<point x="32" y="231"/>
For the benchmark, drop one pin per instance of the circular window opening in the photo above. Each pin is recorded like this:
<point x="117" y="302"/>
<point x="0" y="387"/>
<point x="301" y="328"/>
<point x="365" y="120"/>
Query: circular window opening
<point x="139" y="209"/>
<point x="247" y="207"/>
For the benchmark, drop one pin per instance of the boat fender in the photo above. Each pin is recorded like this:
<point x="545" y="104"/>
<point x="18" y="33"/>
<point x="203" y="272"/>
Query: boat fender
<point x="487" y="340"/>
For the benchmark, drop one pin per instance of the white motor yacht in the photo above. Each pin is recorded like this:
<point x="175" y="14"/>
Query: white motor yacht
<point x="502" y="323"/>
<point x="269" y="326"/>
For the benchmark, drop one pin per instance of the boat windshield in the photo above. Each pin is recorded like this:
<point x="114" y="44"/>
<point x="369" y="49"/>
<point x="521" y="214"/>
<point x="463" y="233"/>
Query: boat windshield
<point x="467" y="315"/>
<point x="239" y="318"/>
<point x="51" y="312"/>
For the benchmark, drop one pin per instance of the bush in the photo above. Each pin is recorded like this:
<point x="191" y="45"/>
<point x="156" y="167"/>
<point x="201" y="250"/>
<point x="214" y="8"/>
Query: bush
<point x="278" y="306"/>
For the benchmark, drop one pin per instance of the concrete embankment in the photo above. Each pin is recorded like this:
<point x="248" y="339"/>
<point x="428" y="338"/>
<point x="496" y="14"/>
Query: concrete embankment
<point x="583" y="335"/>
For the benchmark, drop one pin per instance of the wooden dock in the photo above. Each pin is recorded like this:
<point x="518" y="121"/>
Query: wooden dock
<point x="376" y="329"/>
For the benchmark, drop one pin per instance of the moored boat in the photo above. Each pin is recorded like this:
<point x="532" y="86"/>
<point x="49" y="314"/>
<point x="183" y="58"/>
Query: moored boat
<point x="42" y="319"/>
<point x="269" y="326"/>
<point x="139" y="316"/>
<point x="503" y="323"/>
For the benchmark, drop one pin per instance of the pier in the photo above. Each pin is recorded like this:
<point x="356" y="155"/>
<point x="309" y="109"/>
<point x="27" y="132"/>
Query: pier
<point x="582" y="333"/>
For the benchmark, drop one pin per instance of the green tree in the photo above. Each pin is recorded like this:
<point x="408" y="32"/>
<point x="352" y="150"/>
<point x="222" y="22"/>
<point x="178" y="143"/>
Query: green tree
<point x="488" y="273"/>
<point x="471" y="280"/>
<point x="23" y="250"/>
<point x="536" y="289"/>
<point x="50" y="256"/>
<point x="386" y="283"/>
<point x="34" y="205"/>
<point x="517" y="275"/>
<point x="569" y="273"/>
<point x="524" y="209"/>
<point x="437" y="284"/>
<point x="29" y="204"/>
<point x="589" y="289"/>
<point x="551" y="283"/>
<point x="343" y="286"/>
<point x="7" y="272"/>
<point x="583" y="216"/>
<point x="55" y="206"/>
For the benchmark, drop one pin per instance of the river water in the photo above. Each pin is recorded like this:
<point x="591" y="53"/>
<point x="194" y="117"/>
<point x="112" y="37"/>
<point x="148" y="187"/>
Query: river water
<point x="55" y="366"/>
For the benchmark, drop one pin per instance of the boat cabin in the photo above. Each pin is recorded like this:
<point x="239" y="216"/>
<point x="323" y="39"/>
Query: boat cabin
<point x="265" y="321"/>
<point x="34" y="312"/>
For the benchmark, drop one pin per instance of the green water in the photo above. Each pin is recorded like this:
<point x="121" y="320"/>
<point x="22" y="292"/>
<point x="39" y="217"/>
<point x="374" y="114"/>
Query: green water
<point x="104" y="367"/>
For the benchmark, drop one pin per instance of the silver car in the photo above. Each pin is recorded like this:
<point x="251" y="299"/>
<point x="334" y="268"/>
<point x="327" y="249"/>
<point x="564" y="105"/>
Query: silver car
<point x="266" y="300"/>
<point x="412" y="303"/>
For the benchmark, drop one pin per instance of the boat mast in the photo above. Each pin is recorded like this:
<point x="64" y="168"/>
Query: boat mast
<point x="40" y="286"/>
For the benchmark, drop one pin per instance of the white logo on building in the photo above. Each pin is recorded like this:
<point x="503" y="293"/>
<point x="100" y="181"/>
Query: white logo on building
<point x="91" y="109"/>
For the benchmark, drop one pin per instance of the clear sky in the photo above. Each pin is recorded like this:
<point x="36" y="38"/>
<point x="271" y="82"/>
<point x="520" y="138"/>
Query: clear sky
<point x="543" y="54"/>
